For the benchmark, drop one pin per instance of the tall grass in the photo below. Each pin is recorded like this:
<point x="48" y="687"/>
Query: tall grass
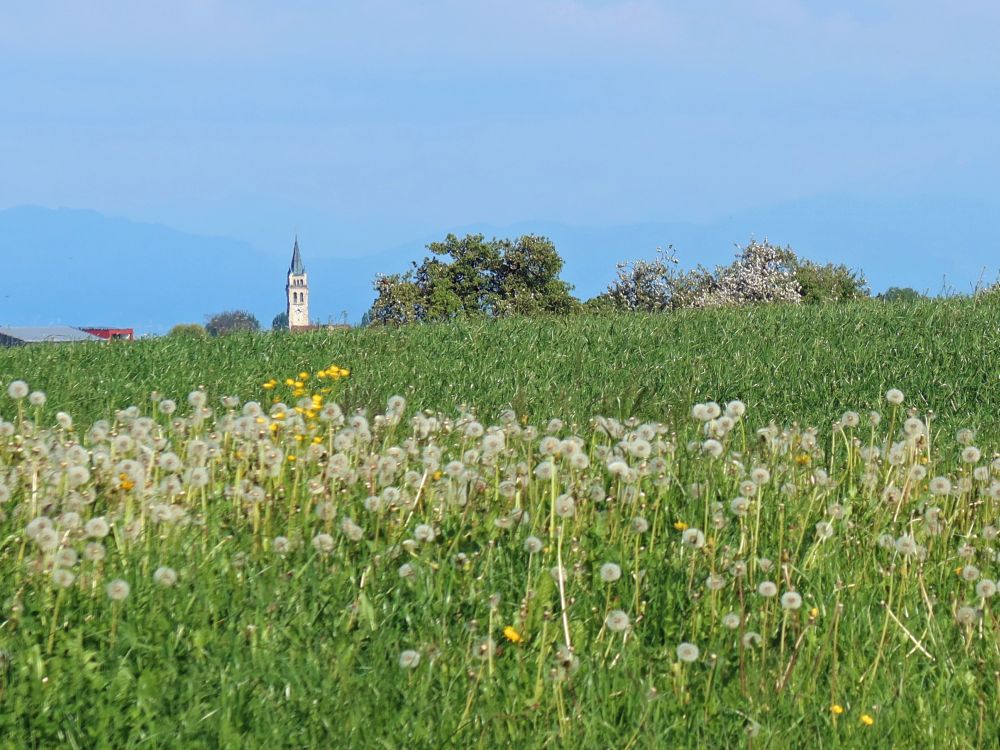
<point x="793" y="362"/>
<point x="315" y="551"/>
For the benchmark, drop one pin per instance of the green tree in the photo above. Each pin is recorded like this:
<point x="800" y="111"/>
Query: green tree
<point x="188" y="331"/>
<point x="231" y="321"/>
<point x="832" y="282"/>
<point x="472" y="276"/>
<point x="280" y="322"/>
<point x="900" y="294"/>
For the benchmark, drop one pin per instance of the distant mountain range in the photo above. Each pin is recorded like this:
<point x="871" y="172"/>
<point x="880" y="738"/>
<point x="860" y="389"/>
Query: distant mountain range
<point x="80" y="267"/>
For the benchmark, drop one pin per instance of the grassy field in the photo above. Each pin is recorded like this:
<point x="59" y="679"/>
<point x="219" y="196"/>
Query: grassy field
<point x="786" y="363"/>
<point x="253" y="566"/>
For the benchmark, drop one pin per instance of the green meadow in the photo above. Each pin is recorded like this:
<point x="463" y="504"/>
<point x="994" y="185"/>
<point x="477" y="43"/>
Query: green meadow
<point x="759" y="527"/>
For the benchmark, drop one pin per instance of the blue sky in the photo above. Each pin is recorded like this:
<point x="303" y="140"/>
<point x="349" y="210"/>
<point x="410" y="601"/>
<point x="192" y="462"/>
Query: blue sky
<point x="364" y="125"/>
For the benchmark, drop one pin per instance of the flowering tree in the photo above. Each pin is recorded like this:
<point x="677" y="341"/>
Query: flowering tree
<point x="761" y="273"/>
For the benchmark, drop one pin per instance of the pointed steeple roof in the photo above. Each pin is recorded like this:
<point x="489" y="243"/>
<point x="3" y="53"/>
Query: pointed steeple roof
<point x="297" y="268"/>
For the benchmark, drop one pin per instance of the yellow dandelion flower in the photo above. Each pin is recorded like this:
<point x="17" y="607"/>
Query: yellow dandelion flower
<point x="814" y="612"/>
<point x="837" y="709"/>
<point x="267" y="386"/>
<point x="803" y="459"/>
<point x="300" y="410"/>
<point x="680" y="525"/>
<point x="125" y="483"/>
<point x="317" y="440"/>
<point x="867" y="720"/>
<point x="260" y="420"/>
<point x="291" y="458"/>
<point x="289" y="381"/>
<point x="303" y="376"/>
<point x="437" y="475"/>
<point x="298" y="392"/>
<point x="512" y="635"/>
<point x="298" y="384"/>
<point x="279" y="415"/>
<point x="299" y="438"/>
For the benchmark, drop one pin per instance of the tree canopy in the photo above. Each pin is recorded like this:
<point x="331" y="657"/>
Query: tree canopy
<point x="231" y="321"/>
<point x="473" y="276"/>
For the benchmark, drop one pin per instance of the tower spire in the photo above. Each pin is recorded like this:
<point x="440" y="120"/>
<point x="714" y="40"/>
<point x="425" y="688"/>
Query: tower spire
<point x="296" y="268"/>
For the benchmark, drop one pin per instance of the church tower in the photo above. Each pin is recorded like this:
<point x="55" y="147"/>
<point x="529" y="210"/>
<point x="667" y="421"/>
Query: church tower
<point x="297" y="290"/>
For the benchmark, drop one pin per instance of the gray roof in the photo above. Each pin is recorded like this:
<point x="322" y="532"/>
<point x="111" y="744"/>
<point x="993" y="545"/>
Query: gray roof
<point x="296" y="269"/>
<point x="34" y="334"/>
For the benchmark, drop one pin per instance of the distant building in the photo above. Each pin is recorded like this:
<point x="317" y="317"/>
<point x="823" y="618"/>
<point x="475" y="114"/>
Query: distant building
<point x="21" y="335"/>
<point x="297" y="291"/>
<point x="117" y="334"/>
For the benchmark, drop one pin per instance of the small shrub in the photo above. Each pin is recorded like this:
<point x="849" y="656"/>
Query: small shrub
<point x="188" y="331"/>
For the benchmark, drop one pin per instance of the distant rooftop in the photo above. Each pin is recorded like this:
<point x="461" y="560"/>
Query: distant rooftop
<point x="38" y="334"/>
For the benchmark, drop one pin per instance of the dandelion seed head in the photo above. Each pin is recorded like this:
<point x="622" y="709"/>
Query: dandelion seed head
<point x="767" y="589"/>
<point x="967" y="615"/>
<point x="610" y="572"/>
<point x="565" y="506"/>
<point x="970" y="573"/>
<point x="118" y="590"/>
<point x="165" y="576"/>
<point x="323" y="543"/>
<point x="484" y="649"/>
<point x="693" y="538"/>
<point x="533" y="545"/>
<point x="281" y="545"/>
<point x="17" y="390"/>
<point x="791" y="600"/>
<point x="906" y="545"/>
<point x="971" y="454"/>
<point x="62" y="577"/>
<point x="736" y="409"/>
<point x="715" y="582"/>
<point x="940" y="486"/>
<point x="424" y="533"/>
<point x="986" y="588"/>
<point x="688" y="652"/>
<point x="824" y="530"/>
<point x="712" y="447"/>
<point x="617" y="621"/>
<point x="409" y="659"/>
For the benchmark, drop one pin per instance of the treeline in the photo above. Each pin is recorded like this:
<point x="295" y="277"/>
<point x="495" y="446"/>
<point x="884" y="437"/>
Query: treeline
<point x="473" y="276"/>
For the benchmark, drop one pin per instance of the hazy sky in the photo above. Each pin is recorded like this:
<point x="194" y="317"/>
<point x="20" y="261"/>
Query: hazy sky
<point x="364" y="123"/>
